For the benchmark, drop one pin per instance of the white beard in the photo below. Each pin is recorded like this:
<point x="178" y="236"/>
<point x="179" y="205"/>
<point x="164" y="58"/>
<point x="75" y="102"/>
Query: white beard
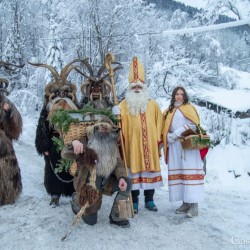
<point x="107" y="151"/>
<point x="137" y="102"/>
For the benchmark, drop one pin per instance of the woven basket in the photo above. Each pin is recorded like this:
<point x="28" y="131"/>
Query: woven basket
<point x="73" y="168"/>
<point x="76" y="131"/>
<point x="195" y="141"/>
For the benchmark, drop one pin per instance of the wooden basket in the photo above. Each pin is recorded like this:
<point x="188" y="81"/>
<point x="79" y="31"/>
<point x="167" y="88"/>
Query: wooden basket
<point x="195" y="141"/>
<point x="73" y="168"/>
<point x="76" y="131"/>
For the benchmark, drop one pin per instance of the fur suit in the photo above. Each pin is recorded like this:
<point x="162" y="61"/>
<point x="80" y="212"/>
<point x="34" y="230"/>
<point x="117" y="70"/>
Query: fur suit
<point x="100" y="153"/>
<point x="10" y="174"/>
<point x="43" y="143"/>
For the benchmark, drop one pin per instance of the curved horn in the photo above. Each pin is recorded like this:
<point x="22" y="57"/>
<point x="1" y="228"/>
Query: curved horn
<point x="72" y="96"/>
<point x="51" y="96"/>
<point x="84" y="86"/>
<point x="86" y="63"/>
<point x="67" y="69"/>
<point x="115" y="69"/>
<point x="109" y="86"/>
<point x="52" y="69"/>
<point x="100" y="71"/>
<point x="5" y="81"/>
<point x="83" y="74"/>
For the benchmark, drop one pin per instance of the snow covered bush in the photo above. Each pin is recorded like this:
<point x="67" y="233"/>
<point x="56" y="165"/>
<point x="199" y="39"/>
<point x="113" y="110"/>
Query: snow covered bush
<point x="224" y="128"/>
<point x="228" y="79"/>
<point x="26" y="101"/>
<point x="218" y="125"/>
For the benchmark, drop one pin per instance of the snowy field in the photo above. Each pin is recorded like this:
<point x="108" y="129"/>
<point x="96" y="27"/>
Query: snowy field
<point x="32" y="224"/>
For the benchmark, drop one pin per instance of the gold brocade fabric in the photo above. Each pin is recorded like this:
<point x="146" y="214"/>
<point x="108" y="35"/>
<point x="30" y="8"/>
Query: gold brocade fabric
<point x="188" y="110"/>
<point x="142" y="134"/>
<point x="136" y="71"/>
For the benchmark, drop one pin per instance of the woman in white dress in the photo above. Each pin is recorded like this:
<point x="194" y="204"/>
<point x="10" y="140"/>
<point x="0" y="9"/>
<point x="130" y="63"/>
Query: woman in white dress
<point x="185" y="167"/>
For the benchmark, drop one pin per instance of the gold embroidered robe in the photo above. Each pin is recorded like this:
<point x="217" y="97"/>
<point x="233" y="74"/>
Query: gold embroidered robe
<point x="142" y="135"/>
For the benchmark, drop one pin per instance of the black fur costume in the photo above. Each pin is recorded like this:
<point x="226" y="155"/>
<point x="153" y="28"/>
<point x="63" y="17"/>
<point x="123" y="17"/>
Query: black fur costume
<point x="44" y="143"/>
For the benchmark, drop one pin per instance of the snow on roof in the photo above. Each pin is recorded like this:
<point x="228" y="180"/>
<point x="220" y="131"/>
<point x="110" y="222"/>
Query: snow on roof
<point x="235" y="100"/>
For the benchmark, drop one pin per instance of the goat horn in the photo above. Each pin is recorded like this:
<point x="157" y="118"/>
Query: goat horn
<point x="83" y="74"/>
<point x="108" y="85"/>
<point x="86" y="63"/>
<point x="100" y="71"/>
<point x="72" y="96"/>
<point x="5" y="81"/>
<point x="84" y="86"/>
<point x="52" y="69"/>
<point x="51" y="96"/>
<point x="67" y="69"/>
<point x="115" y="69"/>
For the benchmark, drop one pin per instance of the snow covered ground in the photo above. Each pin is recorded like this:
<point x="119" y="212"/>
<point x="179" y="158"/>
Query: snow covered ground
<point x="31" y="223"/>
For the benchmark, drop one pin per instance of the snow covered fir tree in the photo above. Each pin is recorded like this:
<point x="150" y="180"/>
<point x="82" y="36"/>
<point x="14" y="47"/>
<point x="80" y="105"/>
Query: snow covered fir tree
<point x="201" y="45"/>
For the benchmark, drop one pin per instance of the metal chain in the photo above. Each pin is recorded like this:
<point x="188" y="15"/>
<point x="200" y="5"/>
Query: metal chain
<point x="59" y="178"/>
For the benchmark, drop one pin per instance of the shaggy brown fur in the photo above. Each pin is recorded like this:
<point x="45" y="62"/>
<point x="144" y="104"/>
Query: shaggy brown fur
<point x="10" y="176"/>
<point x="88" y="159"/>
<point x="88" y="194"/>
<point x="12" y="123"/>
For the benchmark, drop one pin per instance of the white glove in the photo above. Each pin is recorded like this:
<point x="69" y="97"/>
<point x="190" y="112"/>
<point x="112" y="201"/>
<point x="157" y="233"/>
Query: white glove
<point x="116" y="110"/>
<point x="192" y="126"/>
<point x="179" y="131"/>
<point x="171" y="138"/>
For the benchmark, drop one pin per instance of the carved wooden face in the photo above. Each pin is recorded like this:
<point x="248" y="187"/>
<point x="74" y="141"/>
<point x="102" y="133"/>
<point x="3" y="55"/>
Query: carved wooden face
<point x="96" y="91"/>
<point x="53" y="91"/>
<point x="61" y="91"/>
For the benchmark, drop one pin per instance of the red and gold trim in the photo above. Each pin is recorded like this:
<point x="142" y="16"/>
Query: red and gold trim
<point x="146" y="180"/>
<point x="135" y="68"/>
<point x="145" y="141"/>
<point x="186" y="177"/>
<point x="136" y="72"/>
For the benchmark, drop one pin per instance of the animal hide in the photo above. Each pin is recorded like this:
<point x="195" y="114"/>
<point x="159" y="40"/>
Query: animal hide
<point x="10" y="174"/>
<point x="44" y="143"/>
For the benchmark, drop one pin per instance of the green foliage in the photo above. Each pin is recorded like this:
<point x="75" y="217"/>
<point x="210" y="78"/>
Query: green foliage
<point x="63" y="164"/>
<point x="62" y="119"/>
<point x="201" y="131"/>
<point x="201" y="141"/>
<point x="58" y="142"/>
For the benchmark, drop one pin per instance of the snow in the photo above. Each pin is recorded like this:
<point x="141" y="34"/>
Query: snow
<point x="243" y="78"/>
<point x="235" y="100"/>
<point x="206" y="28"/>
<point x="31" y="223"/>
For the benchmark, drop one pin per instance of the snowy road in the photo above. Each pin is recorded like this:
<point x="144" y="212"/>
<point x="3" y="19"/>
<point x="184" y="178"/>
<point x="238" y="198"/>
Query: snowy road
<point x="32" y="224"/>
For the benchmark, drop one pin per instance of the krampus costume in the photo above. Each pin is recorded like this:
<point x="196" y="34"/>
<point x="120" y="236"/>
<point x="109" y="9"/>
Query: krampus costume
<point x="58" y="95"/>
<point x="101" y="167"/>
<point x="96" y="88"/>
<point x="10" y="129"/>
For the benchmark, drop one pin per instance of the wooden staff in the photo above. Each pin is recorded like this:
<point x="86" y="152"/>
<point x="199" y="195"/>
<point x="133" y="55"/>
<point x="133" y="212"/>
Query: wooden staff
<point x="109" y="59"/>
